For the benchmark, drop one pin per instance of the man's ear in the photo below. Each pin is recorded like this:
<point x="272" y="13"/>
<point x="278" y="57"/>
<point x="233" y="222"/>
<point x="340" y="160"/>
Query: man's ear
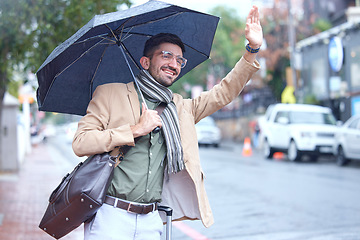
<point x="145" y="62"/>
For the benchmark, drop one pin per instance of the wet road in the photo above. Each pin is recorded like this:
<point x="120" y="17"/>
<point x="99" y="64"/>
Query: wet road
<point x="257" y="199"/>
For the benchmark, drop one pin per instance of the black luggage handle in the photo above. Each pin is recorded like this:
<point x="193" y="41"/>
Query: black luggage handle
<point x="166" y="209"/>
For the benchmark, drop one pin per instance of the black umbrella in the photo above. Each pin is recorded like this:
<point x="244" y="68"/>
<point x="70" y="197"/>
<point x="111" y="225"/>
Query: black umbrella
<point x="109" y="47"/>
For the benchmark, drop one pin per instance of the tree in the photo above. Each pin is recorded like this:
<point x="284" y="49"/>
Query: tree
<point x="228" y="46"/>
<point x="275" y="27"/>
<point x="31" y="29"/>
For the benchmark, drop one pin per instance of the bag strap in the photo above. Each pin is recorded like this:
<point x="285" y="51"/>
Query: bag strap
<point x="124" y="149"/>
<point x="160" y="108"/>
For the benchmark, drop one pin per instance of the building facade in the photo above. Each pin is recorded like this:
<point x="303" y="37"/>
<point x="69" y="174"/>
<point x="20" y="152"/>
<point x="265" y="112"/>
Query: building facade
<point x="330" y="68"/>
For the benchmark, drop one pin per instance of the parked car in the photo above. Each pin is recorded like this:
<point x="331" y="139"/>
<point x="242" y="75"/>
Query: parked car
<point x="347" y="144"/>
<point x="70" y="131"/>
<point x="208" y="132"/>
<point x="298" y="130"/>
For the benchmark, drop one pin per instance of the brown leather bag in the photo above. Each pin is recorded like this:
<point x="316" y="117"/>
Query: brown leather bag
<point x="79" y="195"/>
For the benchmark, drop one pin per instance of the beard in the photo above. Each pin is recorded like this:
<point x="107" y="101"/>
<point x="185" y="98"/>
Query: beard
<point x="160" y="75"/>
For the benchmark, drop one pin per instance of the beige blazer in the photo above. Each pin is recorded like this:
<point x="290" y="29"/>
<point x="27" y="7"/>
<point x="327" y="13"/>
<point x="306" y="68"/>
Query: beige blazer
<point x="115" y="106"/>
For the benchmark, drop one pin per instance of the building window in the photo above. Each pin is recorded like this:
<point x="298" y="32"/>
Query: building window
<point x="355" y="68"/>
<point x="318" y="78"/>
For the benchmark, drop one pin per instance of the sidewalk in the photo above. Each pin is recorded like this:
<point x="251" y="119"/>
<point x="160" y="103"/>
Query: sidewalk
<point x="24" y="197"/>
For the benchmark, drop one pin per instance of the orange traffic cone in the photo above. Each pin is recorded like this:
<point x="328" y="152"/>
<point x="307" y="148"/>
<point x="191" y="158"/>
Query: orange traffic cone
<point x="247" y="147"/>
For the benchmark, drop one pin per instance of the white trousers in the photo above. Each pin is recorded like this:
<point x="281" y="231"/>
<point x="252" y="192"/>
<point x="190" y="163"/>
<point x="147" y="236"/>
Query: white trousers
<point x="112" y="223"/>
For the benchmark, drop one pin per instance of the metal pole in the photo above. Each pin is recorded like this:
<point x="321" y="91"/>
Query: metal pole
<point x="168" y="212"/>
<point x="291" y="34"/>
<point x="157" y="129"/>
<point x="133" y="75"/>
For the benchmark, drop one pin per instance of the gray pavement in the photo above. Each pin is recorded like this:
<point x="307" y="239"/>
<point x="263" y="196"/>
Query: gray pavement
<point x="24" y="196"/>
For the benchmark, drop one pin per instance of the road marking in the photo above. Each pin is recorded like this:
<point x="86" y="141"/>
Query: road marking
<point x="192" y="233"/>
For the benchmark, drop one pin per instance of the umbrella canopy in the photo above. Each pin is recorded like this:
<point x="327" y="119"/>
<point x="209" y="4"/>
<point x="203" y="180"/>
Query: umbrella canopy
<point x="94" y="54"/>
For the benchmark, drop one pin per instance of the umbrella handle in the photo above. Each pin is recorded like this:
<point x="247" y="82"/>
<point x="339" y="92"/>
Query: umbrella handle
<point x="156" y="130"/>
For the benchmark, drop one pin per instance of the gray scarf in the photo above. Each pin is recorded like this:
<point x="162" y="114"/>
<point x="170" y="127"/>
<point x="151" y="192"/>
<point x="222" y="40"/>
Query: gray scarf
<point x="170" y="120"/>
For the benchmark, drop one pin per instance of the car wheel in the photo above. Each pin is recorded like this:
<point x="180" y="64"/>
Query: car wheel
<point x="268" y="152"/>
<point x="293" y="153"/>
<point x="340" y="157"/>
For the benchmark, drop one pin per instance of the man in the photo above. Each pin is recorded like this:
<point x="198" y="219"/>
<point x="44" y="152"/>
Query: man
<point x="159" y="167"/>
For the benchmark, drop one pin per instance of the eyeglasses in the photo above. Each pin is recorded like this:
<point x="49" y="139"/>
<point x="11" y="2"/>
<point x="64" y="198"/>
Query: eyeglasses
<point x="166" y="55"/>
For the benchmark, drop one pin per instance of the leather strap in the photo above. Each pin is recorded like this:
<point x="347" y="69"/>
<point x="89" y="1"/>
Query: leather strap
<point x="131" y="207"/>
<point x="160" y="108"/>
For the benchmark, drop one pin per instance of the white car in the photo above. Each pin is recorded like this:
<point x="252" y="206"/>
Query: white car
<point x="347" y="145"/>
<point x="70" y="131"/>
<point x="208" y="133"/>
<point x="298" y="130"/>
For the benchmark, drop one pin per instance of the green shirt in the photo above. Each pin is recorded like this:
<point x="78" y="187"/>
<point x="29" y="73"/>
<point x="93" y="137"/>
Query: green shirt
<point x="139" y="177"/>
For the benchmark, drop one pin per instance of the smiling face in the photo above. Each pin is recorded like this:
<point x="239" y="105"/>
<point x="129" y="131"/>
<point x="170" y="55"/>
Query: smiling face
<point x="163" y="70"/>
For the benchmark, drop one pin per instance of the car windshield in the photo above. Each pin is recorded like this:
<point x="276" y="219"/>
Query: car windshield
<point x="312" y="118"/>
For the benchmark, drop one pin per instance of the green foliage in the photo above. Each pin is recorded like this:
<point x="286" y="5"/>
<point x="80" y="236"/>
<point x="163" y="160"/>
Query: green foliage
<point x="311" y="99"/>
<point x="197" y="76"/>
<point x="278" y="81"/>
<point x="13" y="36"/>
<point x="58" y="20"/>
<point x="276" y="84"/>
<point x="31" y="29"/>
<point x="13" y="88"/>
<point x="228" y="46"/>
<point x="229" y="41"/>
<point x="322" y="25"/>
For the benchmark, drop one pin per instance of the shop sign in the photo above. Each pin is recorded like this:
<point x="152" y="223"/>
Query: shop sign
<point x="336" y="54"/>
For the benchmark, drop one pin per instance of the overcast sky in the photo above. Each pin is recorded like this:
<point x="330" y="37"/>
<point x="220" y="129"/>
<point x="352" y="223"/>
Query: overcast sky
<point x="242" y="6"/>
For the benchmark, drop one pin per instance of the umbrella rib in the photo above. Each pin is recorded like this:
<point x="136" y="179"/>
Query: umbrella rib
<point x="112" y="32"/>
<point x="127" y="30"/>
<point x="95" y="43"/>
<point x="127" y="35"/>
<point x="123" y="25"/>
<point x="197" y="51"/>
<point x="145" y="23"/>
<point x="122" y="47"/>
<point x="147" y="35"/>
<point x="120" y="37"/>
<point x="131" y="57"/>
<point x="77" y="59"/>
<point x="97" y="67"/>
<point x="107" y="39"/>
<point x="52" y="82"/>
<point x="94" y="37"/>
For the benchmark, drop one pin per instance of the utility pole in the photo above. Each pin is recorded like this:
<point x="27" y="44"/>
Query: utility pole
<point x="291" y="35"/>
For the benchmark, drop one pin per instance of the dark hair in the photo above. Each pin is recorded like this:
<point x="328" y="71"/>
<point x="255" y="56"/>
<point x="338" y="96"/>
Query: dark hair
<point x="153" y="43"/>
